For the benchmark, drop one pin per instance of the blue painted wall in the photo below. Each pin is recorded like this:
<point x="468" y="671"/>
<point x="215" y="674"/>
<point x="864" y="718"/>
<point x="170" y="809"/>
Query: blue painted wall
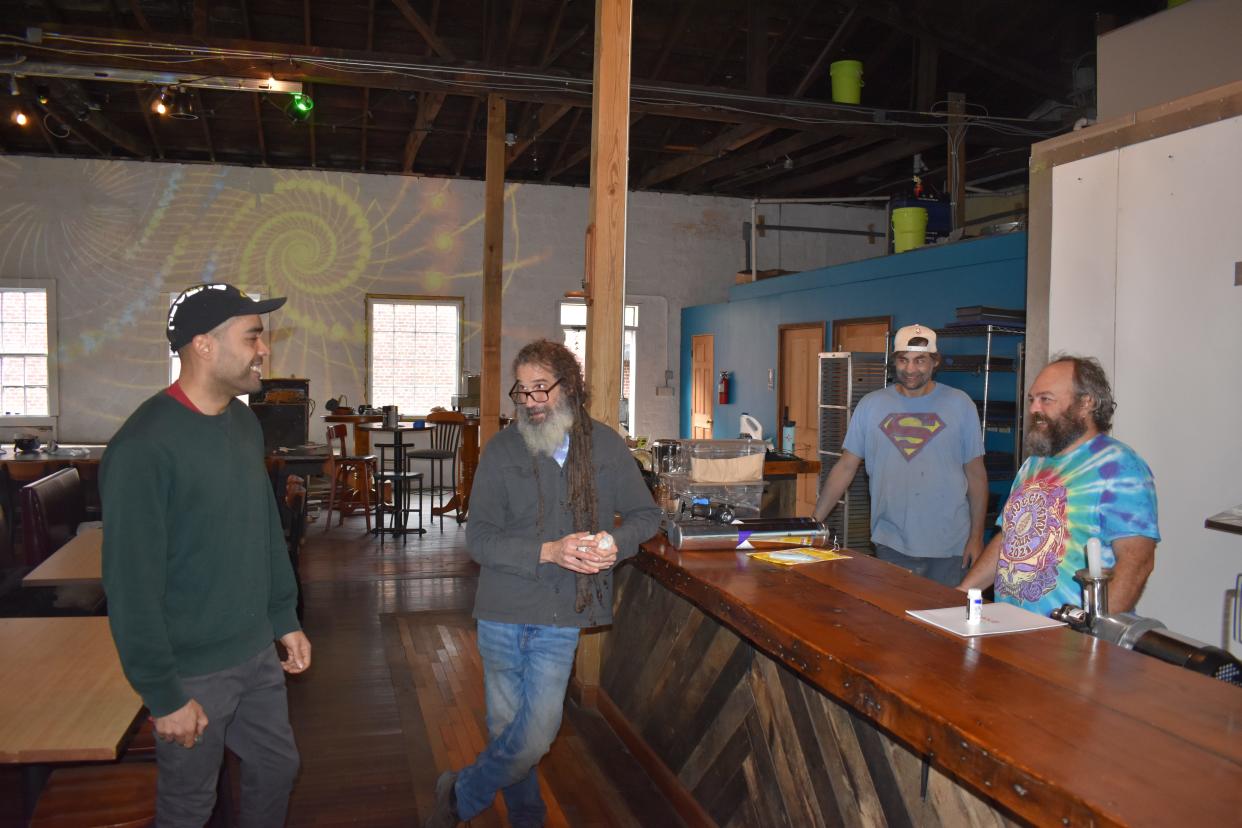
<point x="923" y="286"/>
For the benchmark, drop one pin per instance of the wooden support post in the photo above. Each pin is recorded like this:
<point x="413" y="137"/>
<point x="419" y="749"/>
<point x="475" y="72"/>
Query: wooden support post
<point x="957" y="158"/>
<point x="493" y="262"/>
<point x="605" y="254"/>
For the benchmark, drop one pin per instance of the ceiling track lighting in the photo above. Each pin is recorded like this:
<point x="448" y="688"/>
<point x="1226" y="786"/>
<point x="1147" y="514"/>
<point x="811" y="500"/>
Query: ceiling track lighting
<point x="175" y="102"/>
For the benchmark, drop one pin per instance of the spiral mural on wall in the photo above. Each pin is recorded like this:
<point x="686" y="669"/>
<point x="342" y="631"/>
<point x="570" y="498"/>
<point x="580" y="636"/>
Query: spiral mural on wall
<point x="119" y="238"/>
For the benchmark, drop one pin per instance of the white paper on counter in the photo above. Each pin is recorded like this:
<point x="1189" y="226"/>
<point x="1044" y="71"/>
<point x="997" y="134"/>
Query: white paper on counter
<point x="998" y="618"/>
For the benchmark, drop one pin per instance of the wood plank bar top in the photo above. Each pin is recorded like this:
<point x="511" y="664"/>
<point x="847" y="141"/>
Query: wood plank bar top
<point x="1056" y="726"/>
<point x="63" y="697"/>
<point x="80" y="561"/>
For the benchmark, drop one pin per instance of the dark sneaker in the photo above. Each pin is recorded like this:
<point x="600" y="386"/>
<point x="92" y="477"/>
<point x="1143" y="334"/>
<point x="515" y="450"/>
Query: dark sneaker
<point x="444" y="813"/>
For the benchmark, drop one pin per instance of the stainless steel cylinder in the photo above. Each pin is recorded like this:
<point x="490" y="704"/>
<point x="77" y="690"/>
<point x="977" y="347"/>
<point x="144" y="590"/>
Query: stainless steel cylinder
<point x="776" y="533"/>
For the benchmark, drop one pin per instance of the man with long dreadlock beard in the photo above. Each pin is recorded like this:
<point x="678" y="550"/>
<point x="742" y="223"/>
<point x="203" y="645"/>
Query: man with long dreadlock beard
<point x="542" y="512"/>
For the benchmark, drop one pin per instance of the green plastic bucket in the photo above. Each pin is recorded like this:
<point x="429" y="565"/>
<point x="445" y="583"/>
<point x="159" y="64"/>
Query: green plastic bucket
<point x="846" y="81"/>
<point x="909" y="228"/>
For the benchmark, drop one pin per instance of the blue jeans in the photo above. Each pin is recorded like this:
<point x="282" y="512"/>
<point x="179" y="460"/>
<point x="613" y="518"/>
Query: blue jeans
<point x="947" y="571"/>
<point x="526" y="669"/>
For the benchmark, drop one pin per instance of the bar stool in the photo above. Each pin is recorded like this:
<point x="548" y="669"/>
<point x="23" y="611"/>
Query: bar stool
<point x="444" y="442"/>
<point x="394" y="470"/>
<point x="344" y="465"/>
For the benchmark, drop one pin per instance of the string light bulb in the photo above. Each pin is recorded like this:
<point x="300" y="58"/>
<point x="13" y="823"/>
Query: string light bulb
<point x="20" y="118"/>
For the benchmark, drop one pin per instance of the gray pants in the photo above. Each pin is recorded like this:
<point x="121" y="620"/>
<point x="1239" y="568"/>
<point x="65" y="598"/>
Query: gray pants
<point x="247" y="712"/>
<point x="947" y="571"/>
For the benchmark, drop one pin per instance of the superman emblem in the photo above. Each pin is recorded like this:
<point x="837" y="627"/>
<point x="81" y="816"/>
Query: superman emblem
<point x="910" y="432"/>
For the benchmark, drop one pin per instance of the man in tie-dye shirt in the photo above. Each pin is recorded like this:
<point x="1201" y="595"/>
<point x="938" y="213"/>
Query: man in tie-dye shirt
<point x="1077" y="483"/>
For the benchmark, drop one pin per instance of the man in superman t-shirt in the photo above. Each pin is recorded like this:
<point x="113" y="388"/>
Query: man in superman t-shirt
<point x="923" y="449"/>
<point x="1077" y="483"/>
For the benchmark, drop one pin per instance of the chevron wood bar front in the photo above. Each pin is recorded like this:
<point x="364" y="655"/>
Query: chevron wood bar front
<point x="759" y="695"/>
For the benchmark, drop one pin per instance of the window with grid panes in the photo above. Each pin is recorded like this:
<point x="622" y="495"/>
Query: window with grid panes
<point x="26" y="333"/>
<point x="414" y="352"/>
<point x="573" y="323"/>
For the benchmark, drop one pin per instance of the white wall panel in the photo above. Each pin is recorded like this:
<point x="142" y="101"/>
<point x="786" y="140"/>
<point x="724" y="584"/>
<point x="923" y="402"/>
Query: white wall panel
<point x="1082" y="291"/>
<point x="1178" y="384"/>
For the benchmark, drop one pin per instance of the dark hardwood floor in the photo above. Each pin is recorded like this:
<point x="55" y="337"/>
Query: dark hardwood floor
<point x="367" y="759"/>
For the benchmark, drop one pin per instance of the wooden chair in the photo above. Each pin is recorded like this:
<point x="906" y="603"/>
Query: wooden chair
<point x="343" y="466"/>
<point x="52" y="508"/>
<point x="445" y="440"/>
<point x="18" y="474"/>
<point x="119" y="795"/>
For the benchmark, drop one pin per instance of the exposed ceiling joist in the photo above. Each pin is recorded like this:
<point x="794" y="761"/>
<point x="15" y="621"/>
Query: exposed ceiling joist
<point x="740" y="136"/>
<point x="806" y="161"/>
<point x="549" y="116"/>
<point x="727" y="141"/>
<point x="199" y="18"/>
<point x="74" y="99"/>
<point x="321" y="65"/>
<point x="915" y="24"/>
<point x="814" y="183"/>
<point x="429" y="104"/>
<point x="740" y="162"/>
<point x="560" y="150"/>
<point x="424" y="29"/>
<point x="135" y="7"/>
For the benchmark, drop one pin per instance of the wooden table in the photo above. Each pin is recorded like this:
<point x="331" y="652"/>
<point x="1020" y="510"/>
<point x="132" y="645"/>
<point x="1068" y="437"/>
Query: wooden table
<point x="63" y="697"/>
<point x="798" y="669"/>
<point x="80" y="561"/>
<point x="57" y="460"/>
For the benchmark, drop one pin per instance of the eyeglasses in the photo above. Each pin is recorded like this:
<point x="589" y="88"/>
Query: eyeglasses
<point x="539" y="395"/>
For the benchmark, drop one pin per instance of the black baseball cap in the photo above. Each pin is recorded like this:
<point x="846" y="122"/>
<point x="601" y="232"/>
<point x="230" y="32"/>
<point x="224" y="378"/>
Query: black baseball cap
<point x="201" y="308"/>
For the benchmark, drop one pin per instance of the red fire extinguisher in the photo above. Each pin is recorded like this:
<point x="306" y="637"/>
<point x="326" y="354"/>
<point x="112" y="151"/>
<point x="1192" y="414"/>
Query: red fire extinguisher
<point x="722" y="388"/>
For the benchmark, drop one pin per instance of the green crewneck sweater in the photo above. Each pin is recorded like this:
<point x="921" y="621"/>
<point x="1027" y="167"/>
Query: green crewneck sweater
<point x="194" y="560"/>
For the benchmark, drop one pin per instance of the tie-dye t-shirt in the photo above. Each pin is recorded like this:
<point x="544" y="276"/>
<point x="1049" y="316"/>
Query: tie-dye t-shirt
<point x="1102" y="489"/>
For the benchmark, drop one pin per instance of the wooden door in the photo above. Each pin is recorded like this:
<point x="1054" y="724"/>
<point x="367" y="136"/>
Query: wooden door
<point x="702" y="350"/>
<point x="869" y="336"/>
<point x="798" y="369"/>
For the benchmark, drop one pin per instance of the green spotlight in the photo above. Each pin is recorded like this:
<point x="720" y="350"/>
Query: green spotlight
<point x="301" y="105"/>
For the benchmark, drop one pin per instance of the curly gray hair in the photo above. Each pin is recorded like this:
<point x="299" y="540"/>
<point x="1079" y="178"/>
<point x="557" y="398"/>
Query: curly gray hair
<point x="1091" y="381"/>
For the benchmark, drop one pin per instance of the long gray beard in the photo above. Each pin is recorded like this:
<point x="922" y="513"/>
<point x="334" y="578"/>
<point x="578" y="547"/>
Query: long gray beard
<point x="548" y="436"/>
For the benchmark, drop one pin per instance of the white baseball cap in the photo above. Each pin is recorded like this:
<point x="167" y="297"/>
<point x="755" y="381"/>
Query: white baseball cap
<point x="902" y="341"/>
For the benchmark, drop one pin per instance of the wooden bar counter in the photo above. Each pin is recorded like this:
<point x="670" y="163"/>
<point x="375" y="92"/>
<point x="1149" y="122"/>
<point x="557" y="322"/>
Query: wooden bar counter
<point x="764" y="695"/>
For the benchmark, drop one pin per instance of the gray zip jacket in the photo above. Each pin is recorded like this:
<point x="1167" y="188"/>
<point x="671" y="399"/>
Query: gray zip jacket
<point x="502" y="534"/>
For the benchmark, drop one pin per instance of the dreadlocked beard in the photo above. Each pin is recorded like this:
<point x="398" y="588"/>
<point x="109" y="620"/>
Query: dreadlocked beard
<point x="580" y="479"/>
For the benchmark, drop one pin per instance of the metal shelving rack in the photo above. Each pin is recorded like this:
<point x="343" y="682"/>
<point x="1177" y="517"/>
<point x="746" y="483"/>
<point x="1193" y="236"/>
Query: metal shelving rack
<point x="844" y="378"/>
<point x="989" y="366"/>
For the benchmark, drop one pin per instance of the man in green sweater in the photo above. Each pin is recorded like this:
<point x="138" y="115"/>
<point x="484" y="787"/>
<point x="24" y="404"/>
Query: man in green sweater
<point x="196" y="571"/>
